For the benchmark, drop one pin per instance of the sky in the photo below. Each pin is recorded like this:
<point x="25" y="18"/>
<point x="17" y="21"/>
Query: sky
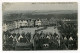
<point x="39" y="6"/>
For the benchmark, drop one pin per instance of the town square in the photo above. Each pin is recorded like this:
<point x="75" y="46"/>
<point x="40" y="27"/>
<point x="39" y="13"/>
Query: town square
<point x="39" y="28"/>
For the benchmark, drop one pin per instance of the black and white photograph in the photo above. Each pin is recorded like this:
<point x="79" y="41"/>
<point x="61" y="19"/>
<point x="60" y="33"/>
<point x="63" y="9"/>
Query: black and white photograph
<point x="29" y="26"/>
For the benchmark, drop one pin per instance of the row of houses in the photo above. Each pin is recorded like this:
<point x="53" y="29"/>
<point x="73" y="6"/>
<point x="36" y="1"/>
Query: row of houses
<point x="24" y="23"/>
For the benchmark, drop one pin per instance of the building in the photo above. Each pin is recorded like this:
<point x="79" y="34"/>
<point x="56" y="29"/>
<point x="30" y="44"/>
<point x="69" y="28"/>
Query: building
<point x="8" y="25"/>
<point x="38" y="22"/>
<point x="30" y="22"/>
<point x="24" y="23"/>
<point x="70" y="21"/>
<point x="5" y="27"/>
<point x="16" y="24"/>
<point x="20" y="23"/>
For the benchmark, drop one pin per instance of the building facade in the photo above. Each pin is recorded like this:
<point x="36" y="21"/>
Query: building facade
<point x="38" y="22"/>
<point x="5" y="27"/>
